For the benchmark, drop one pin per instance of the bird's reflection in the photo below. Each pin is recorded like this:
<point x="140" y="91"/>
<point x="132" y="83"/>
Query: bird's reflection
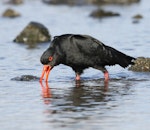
<point x="78" y="91"/>
<point x="82" y="99"/>
<point x="106" y="83"/>
<point x="46" y="92"/>
<point x="78" y="83"/>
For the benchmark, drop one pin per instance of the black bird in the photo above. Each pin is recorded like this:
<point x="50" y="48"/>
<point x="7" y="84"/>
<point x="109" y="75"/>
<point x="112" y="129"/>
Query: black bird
<point x="81" y="52"/>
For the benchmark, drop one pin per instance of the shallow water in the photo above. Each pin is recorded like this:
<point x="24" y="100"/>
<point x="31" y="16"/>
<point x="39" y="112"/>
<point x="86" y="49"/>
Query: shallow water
<point x="123" y="103"/>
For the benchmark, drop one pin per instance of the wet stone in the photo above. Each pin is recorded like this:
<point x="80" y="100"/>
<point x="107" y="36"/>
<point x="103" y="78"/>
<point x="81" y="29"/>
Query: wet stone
<point x="26" y="78"/>
<point x="101" y="14"/>
<point x="142" y="64"/>
<point x="33" y="33"/>
<point x="10" y="13"/>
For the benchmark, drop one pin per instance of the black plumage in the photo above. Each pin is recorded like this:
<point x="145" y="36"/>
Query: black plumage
<point x="82" y="51"/>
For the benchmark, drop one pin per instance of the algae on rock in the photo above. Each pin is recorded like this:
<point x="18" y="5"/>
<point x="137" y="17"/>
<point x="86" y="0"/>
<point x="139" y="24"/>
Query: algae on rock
<point x="33" y="33"/>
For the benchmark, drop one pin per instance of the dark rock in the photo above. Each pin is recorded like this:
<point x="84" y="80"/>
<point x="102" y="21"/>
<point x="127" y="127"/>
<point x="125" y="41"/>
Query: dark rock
<point x="15" y="2"/>
<point x="101" y="14"/>
<point x="141" y="65"/>
<point x="26" y="78"/>
<point x="10" y="13"/>
<point x="33" y="33"/>
<point x="83" y="2"/>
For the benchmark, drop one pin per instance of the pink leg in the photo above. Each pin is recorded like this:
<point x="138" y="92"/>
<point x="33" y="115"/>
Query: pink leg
<point x="106" y="75"/>
<point x="77" y="76"/>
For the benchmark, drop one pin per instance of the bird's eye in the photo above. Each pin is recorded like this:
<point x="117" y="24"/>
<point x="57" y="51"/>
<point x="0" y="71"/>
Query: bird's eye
<point x="50" y="58"/>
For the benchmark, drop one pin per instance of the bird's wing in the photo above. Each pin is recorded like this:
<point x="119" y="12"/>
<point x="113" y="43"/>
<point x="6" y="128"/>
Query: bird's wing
<point x="92" y="47"/>
<point x="104" y="55"/>
<point x="87" y="45"/>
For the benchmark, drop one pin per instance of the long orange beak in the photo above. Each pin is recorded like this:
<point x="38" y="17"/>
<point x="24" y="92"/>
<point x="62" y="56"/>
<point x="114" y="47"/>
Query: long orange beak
<point x="46" y="70"/>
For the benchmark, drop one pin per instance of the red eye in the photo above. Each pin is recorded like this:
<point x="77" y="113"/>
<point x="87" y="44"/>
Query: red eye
<point x="50" y="58"/>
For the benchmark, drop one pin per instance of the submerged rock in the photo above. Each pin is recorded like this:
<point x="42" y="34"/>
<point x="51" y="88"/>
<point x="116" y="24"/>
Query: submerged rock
<point x="10" y="13"/>
<point x="26" y="78"/>
<point x="33" y="33"/>
<point x="141" y="65"/>
<point x="101" y="14"/>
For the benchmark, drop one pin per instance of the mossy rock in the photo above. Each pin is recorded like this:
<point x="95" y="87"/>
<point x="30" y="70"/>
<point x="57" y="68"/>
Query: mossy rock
<point x="33" y="33"/>
<point x="10" y="13"/>
<point x="102" y="14"/>
<point x="141" y="64"/>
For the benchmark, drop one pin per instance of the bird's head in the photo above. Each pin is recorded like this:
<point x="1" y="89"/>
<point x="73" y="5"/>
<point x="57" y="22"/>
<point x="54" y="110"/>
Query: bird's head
<point x="48" y="59"/>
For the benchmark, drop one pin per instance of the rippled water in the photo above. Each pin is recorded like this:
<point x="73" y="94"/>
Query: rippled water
<point x="123" y="103"/>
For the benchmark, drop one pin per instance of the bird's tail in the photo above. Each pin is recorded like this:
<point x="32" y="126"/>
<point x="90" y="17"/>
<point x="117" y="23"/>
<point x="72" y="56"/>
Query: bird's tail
<point x="125" y="60"/>
<point x="120" y="58"/>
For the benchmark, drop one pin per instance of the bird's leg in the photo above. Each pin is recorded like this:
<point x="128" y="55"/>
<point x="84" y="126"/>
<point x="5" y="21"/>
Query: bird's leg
<point x="104" y="70"/>
<point x="77" y="76"/>
<point x="106" y="81"/>
<point x="106" y="75"/>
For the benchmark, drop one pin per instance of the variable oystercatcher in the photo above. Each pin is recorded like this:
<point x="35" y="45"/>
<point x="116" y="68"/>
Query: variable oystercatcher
<point x="81" y="52"/>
